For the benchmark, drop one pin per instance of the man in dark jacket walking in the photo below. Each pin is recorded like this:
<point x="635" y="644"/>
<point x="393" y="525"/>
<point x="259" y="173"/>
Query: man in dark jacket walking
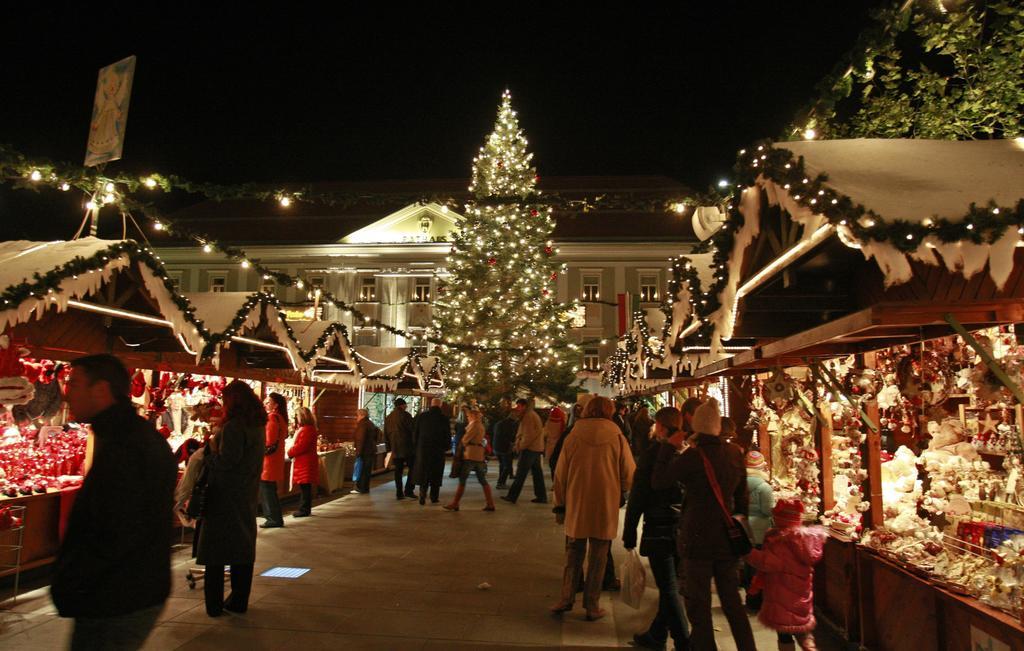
<point x="703" y="532"/>
<point x="398" y="432"/>
<point x="113" y="572"/>
<point x="432" y="431"/>
<point x="504" y="438"/>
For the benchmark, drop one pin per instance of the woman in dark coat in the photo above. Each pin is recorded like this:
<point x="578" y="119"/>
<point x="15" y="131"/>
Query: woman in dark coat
<point x="228" y="535"/>
<point x="660" y="513"/>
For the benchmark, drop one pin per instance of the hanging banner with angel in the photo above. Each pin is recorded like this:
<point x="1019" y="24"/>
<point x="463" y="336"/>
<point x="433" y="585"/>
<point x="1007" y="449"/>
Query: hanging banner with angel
<point x="110" y="112"/>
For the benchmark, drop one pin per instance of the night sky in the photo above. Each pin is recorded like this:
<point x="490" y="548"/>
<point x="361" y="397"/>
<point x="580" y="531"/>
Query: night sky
<point x="392" y="92"/>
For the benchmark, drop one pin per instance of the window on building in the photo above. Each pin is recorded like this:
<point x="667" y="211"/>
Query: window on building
<point x="591" y="359"/>
<point x="421" y="293"/>
<point x="591" y="288"/>
<point x="316" y="282"/>
<point x="648" y="288"/>
<point x="175" y="278"/>
<point x="268" y="286"/>
<point x="365" y="337"/>
<point x="218" y="283"/>
<point x="368" y="290"/>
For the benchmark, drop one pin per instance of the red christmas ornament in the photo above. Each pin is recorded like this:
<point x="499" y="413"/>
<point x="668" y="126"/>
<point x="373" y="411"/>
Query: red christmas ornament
<point x="492" y="261"/>
<point x="554" y="276"/>
<point x="548" y="250"/>
<point x="545" y="292"/>
<point x="534" y="213"/>
<point x="501" y="163"/>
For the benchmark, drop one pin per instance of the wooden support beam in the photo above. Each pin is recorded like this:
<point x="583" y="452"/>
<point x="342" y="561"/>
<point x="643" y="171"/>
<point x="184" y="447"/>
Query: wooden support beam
<point x="991" y="363"/>
<point x="875" y="517"/>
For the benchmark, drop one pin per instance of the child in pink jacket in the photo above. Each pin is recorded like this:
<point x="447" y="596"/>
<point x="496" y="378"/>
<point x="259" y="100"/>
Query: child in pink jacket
<point x="785" y="570"/>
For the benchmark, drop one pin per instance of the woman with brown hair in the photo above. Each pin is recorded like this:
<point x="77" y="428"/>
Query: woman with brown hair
<point x="273" y="459"/>
<point x="306" y="464"/>
<point x="228" y="535"/>
<point x="596" y="466"/>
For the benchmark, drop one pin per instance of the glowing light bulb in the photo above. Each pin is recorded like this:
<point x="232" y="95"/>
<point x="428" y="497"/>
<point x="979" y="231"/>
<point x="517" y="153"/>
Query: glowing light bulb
<point x="810" y="134"/>
<point x="207" y="248"/>
<point x="150" y="182"/>
<point x="65" y="187"/>
<point x="90" y="205"/>
<point x="245" y="264"/>
<point x="36" y="175"/>
<point x="157" y="226"/>
<point x="285" y="201"/>
<point x="109" y="187"/>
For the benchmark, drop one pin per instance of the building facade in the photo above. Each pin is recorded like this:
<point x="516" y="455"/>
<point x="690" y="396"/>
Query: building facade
<point x="388" y="264"/>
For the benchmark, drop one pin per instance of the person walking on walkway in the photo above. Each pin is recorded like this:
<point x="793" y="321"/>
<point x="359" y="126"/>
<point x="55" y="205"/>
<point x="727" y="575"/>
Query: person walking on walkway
<point x="228" y="533"/>
<point x="660" y="512"/>
<point x="595" y="468"/>
<point x="365" y="439"/>
<point x="473" y="460"/>
<point x="398" y="432"/>
<point x="785" y="567"/>
<point x="641" y="426"/>
<point x="273" y="459"/>
<point x="306" y="463"/>
<point x="554" y="428"/>
<point x="530" y="446"/>
<point x="433" y="439"/>
<point x="759" y="515"/>
<point x="704" y="536"/>
<point x="113" y="570"/>
<point x="622" y="420"/>
<point x="504" y="439"/>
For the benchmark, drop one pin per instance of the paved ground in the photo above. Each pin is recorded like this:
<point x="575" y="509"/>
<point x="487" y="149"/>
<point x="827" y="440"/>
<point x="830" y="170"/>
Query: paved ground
<point x="387" y="574"/>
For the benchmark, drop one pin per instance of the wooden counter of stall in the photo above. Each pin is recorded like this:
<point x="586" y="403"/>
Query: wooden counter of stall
<point x="902" y="610"/>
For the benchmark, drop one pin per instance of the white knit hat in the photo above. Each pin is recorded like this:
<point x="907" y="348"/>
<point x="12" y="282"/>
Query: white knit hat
<point x="707" y="419"/>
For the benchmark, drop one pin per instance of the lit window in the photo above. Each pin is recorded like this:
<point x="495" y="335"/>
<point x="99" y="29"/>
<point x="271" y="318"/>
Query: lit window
<point x="421" y="293"/>
<point x="368" y="290"/>
<point x="648" y="289"/>
<point x="268" y="286"/>
<point x="591" y="359"/>
<point x="365" y="337"/>
<point x="316" y="282"/>
<point x="218" y="283"/>
<point x="175" y="278"/>
<point x="591" y="288"/>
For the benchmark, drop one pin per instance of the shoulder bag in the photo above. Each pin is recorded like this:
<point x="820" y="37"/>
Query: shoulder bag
<point x="196" y="507"/>
<point x="739" y="539"/>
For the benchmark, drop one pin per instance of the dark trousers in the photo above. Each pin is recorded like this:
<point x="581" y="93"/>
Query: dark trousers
<point x="529" y="464"/>
<point x="697" y="594"/>
<point x="670" y="618"/>
<point x="213" y="588"/>
<point x="504" y="467"/>
<point x="121" y="632"/>
<point x="306" y="501"/>
<point x="363" y="485"/>
<point x="575" y="553"/>
<point x="269" y="502"/>
<point x="405" y="464"/>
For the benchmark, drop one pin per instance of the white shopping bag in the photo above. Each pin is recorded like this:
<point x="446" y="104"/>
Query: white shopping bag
<point x="634" y="579"/>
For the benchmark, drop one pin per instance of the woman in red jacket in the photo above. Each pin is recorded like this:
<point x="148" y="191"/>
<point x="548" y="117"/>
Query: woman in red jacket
<point x="273" y="459"/>
<point x="306" y="464"/>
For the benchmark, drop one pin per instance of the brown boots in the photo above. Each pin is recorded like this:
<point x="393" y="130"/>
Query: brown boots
<point x="454" y="505"/>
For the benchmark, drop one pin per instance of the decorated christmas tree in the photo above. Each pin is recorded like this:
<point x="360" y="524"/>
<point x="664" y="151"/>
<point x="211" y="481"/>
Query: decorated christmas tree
<point x="504" y="331"/>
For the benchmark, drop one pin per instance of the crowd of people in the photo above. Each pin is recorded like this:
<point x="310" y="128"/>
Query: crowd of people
<point x="678" y="474"/>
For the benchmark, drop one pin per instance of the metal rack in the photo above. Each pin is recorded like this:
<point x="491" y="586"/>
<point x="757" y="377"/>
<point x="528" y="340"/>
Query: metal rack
<point x="11" y="543"/>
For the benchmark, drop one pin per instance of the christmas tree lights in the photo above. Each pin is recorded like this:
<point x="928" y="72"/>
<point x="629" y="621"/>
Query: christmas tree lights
<point x="501" y="291"/>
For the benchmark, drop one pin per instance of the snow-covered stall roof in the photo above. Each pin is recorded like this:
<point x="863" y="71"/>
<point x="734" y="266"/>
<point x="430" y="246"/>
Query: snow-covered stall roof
<point x="43" y="274"/>
<point x="383" y="368"/>
<point x="914" y="180"/>
<point x="230" y="314"/>
<point x="895" y="200"/>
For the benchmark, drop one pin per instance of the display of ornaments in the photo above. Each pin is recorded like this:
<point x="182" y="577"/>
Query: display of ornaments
<point x="28" y="465"/>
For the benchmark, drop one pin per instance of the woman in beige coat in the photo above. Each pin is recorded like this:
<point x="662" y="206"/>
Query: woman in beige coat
<point x="473" y="460"/>
<point x="594" y="469"/>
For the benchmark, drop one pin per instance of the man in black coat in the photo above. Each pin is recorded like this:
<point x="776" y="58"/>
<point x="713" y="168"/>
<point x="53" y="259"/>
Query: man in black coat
<point x="433" y="439"/>
<point x="113" y="572"/>
<point x="398" y="431"/>
<point x="504" y="438"/>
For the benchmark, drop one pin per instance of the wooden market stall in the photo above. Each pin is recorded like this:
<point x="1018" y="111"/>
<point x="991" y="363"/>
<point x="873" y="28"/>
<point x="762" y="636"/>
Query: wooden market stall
<point x="861" y="267"/>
